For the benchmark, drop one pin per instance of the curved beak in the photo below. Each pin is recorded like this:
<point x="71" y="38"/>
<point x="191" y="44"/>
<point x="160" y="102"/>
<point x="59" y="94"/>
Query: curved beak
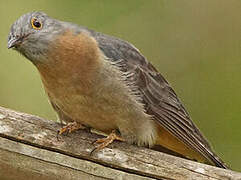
<point x="14" y="41"/>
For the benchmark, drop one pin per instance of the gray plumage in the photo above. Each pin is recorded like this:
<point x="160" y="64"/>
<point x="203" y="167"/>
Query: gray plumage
<point x="153" y="91"/>
<point x="159" y="98"/>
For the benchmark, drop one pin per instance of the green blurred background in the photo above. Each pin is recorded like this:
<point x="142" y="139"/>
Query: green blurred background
<point x="195" y="45"/>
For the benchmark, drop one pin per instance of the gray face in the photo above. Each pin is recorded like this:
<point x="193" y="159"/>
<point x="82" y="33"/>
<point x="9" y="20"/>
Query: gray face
<point x="31" y="34"/>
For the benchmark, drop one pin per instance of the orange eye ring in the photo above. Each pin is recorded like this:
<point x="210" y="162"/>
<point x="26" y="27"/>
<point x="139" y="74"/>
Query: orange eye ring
<point x="36" y="24"/>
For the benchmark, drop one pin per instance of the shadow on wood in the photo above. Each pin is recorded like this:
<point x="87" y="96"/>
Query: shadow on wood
<point x="29" y="149"/>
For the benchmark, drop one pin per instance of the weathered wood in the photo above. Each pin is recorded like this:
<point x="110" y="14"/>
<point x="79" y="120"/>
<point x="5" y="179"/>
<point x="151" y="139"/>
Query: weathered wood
<point x="29" y="149"/>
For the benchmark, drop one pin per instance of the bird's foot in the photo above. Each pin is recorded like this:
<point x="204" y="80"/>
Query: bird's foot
<point x="70" y="127"/>
<point x="103" y="142"/>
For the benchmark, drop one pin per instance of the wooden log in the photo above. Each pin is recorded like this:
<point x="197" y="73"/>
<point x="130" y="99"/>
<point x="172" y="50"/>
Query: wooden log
<point x="30" y="149"/>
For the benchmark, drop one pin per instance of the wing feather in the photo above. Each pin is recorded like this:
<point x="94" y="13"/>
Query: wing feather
<point x="159" y="98"/>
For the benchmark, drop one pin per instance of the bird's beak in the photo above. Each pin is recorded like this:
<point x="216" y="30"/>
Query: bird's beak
<point x="14" y="42"/>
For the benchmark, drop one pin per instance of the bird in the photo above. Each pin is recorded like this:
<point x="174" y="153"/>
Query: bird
<point x="98" y="81"/>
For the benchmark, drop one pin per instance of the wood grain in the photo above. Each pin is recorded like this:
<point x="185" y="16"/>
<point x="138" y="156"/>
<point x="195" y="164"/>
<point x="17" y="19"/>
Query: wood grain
<point x="29" y="149"/>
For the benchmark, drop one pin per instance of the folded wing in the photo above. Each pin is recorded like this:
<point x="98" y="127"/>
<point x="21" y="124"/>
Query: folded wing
<point x="159" y="98"/>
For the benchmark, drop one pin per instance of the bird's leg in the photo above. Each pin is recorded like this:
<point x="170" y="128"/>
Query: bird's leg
<point x="70" y="127"/>
<point x="106" y="141"/>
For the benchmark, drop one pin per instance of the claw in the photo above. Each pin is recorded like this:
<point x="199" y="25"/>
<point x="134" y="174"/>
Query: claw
<point x="71" y="127"/>
<point x="104" y="142"/>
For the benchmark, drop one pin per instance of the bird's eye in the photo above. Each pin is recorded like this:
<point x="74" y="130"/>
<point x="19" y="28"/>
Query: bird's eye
<point x="36" y="24"/>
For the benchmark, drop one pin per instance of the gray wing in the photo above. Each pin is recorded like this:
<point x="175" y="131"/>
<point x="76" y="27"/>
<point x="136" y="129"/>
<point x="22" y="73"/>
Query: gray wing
<point x="159" y="98"/>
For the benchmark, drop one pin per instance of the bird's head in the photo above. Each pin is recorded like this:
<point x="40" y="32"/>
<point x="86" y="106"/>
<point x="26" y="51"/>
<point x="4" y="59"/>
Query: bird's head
<point x="32" y="33"/>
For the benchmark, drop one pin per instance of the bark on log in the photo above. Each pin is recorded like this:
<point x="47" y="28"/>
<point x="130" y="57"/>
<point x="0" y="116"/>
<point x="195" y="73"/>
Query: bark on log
<point x="29" y="149"/>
